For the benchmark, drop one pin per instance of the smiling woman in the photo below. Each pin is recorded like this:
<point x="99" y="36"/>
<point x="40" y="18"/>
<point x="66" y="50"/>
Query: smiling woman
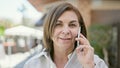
<point x="60" y="41"/>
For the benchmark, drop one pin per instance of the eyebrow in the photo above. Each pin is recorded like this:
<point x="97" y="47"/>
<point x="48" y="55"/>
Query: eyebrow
<point x="70" y="21"/>
<point x="59" y="21"/>
<point x="73" y="21"/>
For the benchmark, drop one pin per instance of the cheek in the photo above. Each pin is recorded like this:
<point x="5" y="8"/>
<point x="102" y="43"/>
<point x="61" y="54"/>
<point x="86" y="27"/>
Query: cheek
<point x="74" y="33"/>
<point x="56" y="32"/>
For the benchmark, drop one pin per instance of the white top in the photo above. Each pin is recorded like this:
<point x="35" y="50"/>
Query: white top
<point x="43" y="60"/>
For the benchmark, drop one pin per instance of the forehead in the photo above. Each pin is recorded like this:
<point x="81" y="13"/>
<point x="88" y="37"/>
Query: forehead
<point x="68" y="15"/>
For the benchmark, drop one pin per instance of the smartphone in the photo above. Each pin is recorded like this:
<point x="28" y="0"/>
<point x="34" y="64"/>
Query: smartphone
<point x="79" y="31"/>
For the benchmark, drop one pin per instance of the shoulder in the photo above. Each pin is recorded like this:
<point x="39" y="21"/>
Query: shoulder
<point x="99" y="63"/>
<point x="36" y="60"/>
<point x="97" y="58"/>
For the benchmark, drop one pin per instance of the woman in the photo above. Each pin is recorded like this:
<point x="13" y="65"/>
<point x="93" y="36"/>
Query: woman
<point x="60" y="39"/>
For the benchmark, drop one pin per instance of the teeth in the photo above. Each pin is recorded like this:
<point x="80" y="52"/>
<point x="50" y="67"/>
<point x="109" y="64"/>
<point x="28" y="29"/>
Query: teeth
<point x="64" y="38"/>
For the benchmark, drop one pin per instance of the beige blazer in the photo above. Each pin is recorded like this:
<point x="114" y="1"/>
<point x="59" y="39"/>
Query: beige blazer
<point x="43" y="60"/>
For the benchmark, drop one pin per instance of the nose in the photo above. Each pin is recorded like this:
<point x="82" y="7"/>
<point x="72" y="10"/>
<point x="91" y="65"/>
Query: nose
<point x="66" y="30"/>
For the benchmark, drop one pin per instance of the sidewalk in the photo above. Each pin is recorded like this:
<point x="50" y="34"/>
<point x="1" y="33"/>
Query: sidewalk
<point x="10" y="61"/>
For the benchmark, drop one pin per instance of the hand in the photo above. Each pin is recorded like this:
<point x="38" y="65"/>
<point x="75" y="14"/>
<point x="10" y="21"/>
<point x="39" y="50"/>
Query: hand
<point x="85" y="53"/>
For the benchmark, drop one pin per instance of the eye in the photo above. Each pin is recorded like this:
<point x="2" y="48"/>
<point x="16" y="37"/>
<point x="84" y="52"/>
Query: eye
<point x="72" y="25"/>
<point x="58" y="24"/>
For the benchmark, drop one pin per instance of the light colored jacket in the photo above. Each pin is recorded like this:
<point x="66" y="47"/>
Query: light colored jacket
<point x="43" y="60"/>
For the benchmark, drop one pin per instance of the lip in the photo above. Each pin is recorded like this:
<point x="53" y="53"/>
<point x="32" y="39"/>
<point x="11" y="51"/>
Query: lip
<point x="65" y="38"/>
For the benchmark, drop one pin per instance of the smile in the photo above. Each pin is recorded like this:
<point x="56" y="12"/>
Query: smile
<point x="65" y="38"/>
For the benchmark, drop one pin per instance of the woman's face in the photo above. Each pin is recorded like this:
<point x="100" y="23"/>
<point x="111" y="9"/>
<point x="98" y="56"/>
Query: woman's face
<point x="66" y="30"/>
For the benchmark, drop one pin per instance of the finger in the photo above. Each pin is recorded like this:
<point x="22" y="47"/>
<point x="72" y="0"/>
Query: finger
<point x="82" y="36"/>
<point x="85" y="50"/>
<point x="91" y="50"/>
<point x="82" y="51"/>
<point x="82" y="41"/>
<point x="82" y="48"/>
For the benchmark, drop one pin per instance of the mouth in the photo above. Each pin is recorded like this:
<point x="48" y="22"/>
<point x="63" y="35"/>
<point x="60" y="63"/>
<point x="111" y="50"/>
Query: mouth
<point x="65" y="38"/>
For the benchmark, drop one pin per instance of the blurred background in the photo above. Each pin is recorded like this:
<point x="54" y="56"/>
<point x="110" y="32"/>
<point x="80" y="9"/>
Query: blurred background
<point x="21" y="29"/>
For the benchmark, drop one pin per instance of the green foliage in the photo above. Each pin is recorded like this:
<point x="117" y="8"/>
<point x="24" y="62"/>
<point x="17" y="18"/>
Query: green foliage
<point x="4" y="24"/>
<point x="100" y="37"/>
<point x="2" y="30"/>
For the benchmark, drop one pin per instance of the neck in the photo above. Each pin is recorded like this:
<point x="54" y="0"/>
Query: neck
<point x="62" y="53"/>
<point x="60" y="56"/>
<point x="60" y="59"/>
